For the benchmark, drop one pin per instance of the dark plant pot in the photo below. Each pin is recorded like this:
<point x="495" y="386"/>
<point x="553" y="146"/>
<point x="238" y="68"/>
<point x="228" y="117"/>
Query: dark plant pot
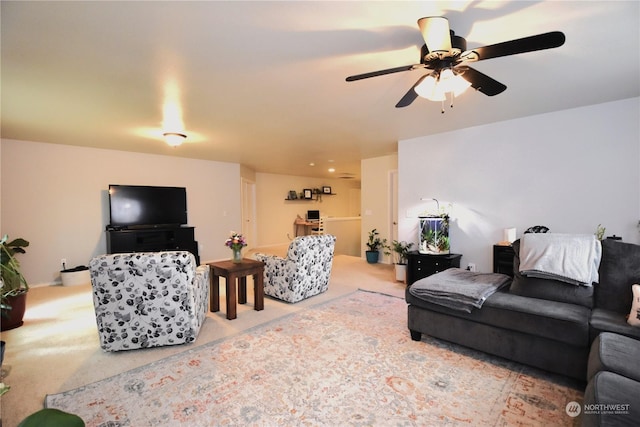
<point x="12" y="319"/>
<point x="372" y="256"/>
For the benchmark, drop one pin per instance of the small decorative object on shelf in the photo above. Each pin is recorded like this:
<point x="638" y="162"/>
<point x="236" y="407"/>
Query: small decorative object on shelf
<point x="236" y="242"/>
<point x="326" y="190"/>
<point x="307" y="193"/>
<point x="433" y="234"/>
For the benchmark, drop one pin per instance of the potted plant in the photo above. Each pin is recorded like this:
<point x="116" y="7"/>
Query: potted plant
<point x="375" y="243"/>
<point x="14" y="287"/>
<point x="400" y="251"/>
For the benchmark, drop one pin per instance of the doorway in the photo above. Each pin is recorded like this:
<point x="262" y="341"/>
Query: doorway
<point x="249" y="212"/>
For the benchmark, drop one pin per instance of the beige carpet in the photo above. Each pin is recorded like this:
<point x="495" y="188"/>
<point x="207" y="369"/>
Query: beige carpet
<point x="57" y="348"/>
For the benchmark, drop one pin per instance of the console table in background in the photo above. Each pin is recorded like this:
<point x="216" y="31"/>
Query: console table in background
<point x="423" y="265"/>
<point x="152" y="239"/>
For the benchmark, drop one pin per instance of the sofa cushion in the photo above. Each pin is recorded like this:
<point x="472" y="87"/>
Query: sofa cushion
<point x="611" y="400"/>
<point x="549" y="319"/>
<point x="552" y="290"/>
<point x="614" y="353"/>
<point x="634" y="314"/>
<point x="619" y="269"/>
<point x="611" y="321"/>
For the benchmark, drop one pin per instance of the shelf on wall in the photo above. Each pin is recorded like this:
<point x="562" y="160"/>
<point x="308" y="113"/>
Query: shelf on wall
<point x="314" y="197"/>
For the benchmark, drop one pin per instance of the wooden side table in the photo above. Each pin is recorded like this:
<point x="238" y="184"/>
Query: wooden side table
<point x="236" y="273"/>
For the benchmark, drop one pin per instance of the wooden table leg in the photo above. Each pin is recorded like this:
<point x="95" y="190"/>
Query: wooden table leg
<point x="231" y="296"/>
<point x="258" y="291"/>
<point x="242" y="290"/>
<point x="214" y="295"/>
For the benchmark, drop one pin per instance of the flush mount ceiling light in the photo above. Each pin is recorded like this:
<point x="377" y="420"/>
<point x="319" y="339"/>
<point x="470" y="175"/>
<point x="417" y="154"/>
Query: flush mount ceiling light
<point x="174" y="139"/>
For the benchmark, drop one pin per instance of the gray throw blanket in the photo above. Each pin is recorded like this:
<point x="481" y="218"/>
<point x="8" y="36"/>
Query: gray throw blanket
<point x="459" y="289"/>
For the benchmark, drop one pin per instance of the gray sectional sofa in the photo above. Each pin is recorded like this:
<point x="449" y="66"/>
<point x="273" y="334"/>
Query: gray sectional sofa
<point x="612" y="396"/>
<point x="541" y="322"/>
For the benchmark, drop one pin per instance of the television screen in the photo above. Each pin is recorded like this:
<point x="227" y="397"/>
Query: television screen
<point x="146" y="206"/>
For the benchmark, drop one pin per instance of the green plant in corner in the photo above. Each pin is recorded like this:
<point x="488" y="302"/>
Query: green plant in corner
<point x="600" y="230"/>
<point x="375" y="243"/>
<point x="13" y="282"/>
<point x="401" y="250"/>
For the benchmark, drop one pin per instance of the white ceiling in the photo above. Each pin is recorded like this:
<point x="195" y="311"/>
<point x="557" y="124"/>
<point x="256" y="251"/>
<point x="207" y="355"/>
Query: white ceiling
<point x="263" y="83"/>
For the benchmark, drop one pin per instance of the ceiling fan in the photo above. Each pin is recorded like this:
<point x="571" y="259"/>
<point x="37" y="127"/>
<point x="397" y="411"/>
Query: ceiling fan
<point x="446" y="56"/>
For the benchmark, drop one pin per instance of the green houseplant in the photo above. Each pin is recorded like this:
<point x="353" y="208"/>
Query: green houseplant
<point x="375" y="243"/>
<point x="13" y="292"/>
<point x="400" y="252"/>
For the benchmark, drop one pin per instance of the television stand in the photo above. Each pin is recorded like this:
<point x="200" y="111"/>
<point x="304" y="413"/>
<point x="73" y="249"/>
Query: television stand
<point x="152" y="239"/>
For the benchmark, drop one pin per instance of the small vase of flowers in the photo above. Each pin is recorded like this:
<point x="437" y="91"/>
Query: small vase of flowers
<point x="236" y="242"/>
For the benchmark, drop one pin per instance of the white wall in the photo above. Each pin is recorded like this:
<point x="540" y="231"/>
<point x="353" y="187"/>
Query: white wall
<point x="55" y="196"/>
<point x="570" y="170"/>
<point x="276" y="215"/>
<point x="376" y="195"/>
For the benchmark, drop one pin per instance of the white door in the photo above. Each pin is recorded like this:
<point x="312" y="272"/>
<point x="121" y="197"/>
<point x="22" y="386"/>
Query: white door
<point x="249" y="213"/>
<point x="393" y="205"/>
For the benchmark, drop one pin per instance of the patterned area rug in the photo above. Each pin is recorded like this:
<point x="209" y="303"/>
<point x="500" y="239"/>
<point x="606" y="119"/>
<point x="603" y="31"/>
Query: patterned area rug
<point x="349" y="361"/>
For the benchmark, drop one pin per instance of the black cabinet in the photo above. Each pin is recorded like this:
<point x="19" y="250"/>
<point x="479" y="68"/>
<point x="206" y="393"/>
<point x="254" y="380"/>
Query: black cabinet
<point x="423" y="265"/>
<point x="503" y="259"/>
<point x="152" y="240"/>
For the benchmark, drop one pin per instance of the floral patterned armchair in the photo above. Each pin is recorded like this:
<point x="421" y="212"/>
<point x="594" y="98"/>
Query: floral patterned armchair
<point x="148" y="299"/>
<point x="304" y="272"/>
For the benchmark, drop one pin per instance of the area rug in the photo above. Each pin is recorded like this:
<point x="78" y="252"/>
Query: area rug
<point x="349" y="361"/>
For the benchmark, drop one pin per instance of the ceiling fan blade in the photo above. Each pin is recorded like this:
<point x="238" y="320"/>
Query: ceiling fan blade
<point x="411" y="95"/>
<point x="513" y="47"/>
<point x="383" y="72"/>
<point x="436" y="34"/>
<point x="482" y="82"/>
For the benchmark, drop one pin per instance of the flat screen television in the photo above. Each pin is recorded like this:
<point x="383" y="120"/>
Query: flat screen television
<point x="139" y="206"/>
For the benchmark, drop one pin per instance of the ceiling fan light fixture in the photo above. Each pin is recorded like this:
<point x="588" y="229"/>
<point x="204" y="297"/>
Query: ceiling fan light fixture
<point x="435" y="32"/>
<point x="174" y="139"/>
<point x="427" y="89"/>
<point x="435" y="86"/>
<point x="459" y="84"/>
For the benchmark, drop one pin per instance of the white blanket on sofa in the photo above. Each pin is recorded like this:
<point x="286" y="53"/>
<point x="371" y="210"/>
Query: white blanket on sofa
<point x="570" y="258"/>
